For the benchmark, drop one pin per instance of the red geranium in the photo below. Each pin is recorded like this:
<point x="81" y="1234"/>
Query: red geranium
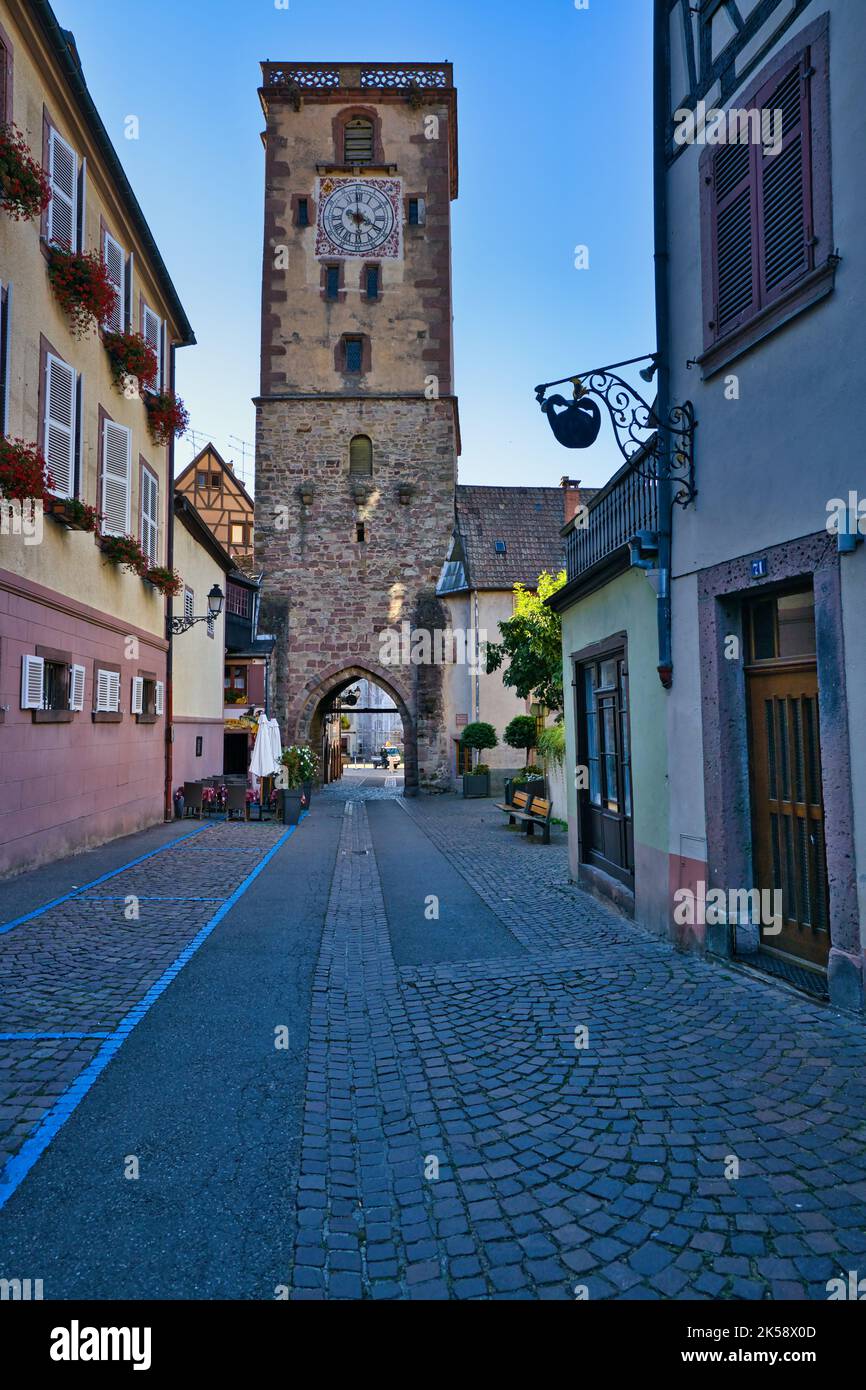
<point x="125" y="551"/>
<point x="131" y="355"/>
<point x="167" y="581"/>
<point x="167" y="416"/>
<point x="83" y="287"/>
<point x="24" y="188"/>
<point x="23" y="471"/>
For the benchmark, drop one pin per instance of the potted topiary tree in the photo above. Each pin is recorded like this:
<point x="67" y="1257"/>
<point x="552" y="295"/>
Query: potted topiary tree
<point x="478" y="737"/>
<point x="522" y="733"/>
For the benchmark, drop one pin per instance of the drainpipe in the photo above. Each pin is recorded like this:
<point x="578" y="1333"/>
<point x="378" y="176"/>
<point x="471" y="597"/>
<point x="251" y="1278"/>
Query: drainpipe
<point x="660" y="203"/>
<point x="169" y="614"/>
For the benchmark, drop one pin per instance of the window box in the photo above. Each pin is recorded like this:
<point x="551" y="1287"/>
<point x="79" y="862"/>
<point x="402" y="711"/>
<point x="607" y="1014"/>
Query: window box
<point x="84" y="291"/>
<point x="125" y="551"/>
<point x="74" y="515"/>
<point x="167" y="416"/>
<point x="25" y="190"/>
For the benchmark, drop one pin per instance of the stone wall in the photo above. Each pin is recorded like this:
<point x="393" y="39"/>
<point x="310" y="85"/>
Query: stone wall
<point x="334" y="594"/>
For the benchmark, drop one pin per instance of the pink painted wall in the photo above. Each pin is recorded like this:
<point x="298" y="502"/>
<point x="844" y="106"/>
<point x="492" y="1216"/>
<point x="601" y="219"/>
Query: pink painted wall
<point x="186" y="767"/>
<point x="66" y="787"/>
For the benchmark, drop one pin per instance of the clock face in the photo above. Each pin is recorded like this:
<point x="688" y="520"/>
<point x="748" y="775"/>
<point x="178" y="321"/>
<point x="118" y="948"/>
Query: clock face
<point x="359" y="217"/>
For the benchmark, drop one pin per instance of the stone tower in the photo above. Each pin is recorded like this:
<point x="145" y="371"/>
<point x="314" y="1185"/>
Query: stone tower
<point x="357" y="431"/>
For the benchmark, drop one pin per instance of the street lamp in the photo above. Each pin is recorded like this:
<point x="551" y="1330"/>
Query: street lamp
<point x="215" y="601"/>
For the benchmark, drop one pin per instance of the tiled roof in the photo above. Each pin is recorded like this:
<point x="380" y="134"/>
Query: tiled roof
<point x="526" y="520"/>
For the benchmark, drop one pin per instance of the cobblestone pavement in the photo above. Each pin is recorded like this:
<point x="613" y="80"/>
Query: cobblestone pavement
<point x="708" y="1141"/>
<point x="73" y="975"/>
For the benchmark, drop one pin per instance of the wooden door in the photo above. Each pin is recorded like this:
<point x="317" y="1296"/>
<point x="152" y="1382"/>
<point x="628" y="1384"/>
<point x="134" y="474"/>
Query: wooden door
<point x="607" y="833"/>
<point x="788" y="805"/>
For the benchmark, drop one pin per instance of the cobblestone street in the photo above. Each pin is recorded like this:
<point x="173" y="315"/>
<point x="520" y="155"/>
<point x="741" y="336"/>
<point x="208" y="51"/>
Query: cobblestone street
<point x="503" y="1089"/>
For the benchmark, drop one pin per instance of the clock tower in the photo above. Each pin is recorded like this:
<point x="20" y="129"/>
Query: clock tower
<point x="357" y="431"/>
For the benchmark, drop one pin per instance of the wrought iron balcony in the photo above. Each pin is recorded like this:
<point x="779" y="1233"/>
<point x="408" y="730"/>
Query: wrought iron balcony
<point x="387" y="76"/>
<point x="625" y="506"/>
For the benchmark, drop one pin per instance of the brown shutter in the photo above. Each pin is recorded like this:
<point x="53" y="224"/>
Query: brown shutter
<point x="784" y="205"/>
<point x="734" y="238"/>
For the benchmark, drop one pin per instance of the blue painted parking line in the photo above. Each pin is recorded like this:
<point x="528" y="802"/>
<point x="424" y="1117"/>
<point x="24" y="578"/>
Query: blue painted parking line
<point x="49" y="1037"/>
<point x="104" y="878"/>
<point x="31" y="1151"/>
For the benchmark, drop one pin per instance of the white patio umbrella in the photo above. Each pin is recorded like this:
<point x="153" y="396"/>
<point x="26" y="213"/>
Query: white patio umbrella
<point x="262" y="763"/>
<point x="276" y="742"/>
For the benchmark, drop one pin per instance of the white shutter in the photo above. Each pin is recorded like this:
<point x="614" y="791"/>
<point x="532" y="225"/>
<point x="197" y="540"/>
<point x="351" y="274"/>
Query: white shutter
<point x="77" y="676"/>
<point x="137" y="694"/>
<point x="150" y="516"/>
<point x="60" y="425"/>
<point x="103" y="692"/>
<point x="159" y="697"/>
<point x="152" y="330"/>
<point x="32" y="682"/>
<point x="116" y="466"/>
<point x="63" y="178"/>
<point x="107" y="692"/>
<point x="115" y="260"/>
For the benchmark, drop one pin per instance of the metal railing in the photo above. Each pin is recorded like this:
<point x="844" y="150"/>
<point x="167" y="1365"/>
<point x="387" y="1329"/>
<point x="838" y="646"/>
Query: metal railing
<point x="624" y="506"/>
<point x="389" y="76"/>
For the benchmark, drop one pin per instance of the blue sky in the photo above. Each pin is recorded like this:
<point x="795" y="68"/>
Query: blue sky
<point x="555" y="152"/>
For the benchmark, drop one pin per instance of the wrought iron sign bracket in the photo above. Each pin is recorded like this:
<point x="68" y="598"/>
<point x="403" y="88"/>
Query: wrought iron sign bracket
<point x="660" y="449"/>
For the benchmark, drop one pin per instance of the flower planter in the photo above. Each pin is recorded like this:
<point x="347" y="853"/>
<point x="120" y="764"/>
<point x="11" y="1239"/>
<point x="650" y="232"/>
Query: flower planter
<point x="75" y="516"/>
<point x="476" y="785"/>
<point x="293" y="803"/>
<point x="308" y="792"/>
<point x="535" y="787"/>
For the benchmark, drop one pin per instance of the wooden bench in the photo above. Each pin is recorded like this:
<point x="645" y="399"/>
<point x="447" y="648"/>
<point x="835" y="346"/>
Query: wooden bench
<point x="533" y="812"/>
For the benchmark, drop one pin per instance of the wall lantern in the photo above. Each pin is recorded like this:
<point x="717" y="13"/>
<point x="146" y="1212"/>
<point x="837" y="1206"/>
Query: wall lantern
<point x="215" y="601"/>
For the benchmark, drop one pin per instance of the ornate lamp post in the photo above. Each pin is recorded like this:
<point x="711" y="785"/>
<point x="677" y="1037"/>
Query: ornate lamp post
<point x="215" y="601"/>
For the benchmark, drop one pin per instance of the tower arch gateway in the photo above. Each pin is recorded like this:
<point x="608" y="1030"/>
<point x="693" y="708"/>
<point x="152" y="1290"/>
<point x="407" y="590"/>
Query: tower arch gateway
<point x="351" y="554"/>
<point x="307" y="719"/>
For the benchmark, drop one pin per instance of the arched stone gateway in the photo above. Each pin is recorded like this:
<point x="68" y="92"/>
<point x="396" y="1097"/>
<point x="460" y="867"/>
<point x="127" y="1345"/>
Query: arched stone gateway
<point x="306" y="718"/>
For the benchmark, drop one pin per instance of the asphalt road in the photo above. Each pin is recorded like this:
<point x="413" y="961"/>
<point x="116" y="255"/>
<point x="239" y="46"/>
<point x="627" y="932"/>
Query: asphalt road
<point x="202" y="1098"/>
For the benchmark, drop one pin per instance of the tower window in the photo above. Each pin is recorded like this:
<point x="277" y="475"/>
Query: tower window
<point x="303" y="212"/>
<point x="371" y="276"/>
<point x="414" y="212"/>
<point x="361" y="533"/>
<point x="358" y="142"/>
<point x="361" y="457"/>
<point x="501" y="548"/>
<point x="354" y="354"/>
<point x="332" y="283"/>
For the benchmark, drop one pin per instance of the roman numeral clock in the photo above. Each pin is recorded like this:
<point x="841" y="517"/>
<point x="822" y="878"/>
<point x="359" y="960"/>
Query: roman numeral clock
<point x="359" y="217"/>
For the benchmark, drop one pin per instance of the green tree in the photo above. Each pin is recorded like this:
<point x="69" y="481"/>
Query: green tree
<point x="522" y="733"/>
<point x="478" y="737"/>
<point x="531" y="646"/>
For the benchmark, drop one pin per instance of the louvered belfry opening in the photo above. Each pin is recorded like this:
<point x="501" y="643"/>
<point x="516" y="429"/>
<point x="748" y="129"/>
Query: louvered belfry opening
<point x="358" y="146"/>
<point x="762" y="202"/>
<point x="361" y="457"/>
